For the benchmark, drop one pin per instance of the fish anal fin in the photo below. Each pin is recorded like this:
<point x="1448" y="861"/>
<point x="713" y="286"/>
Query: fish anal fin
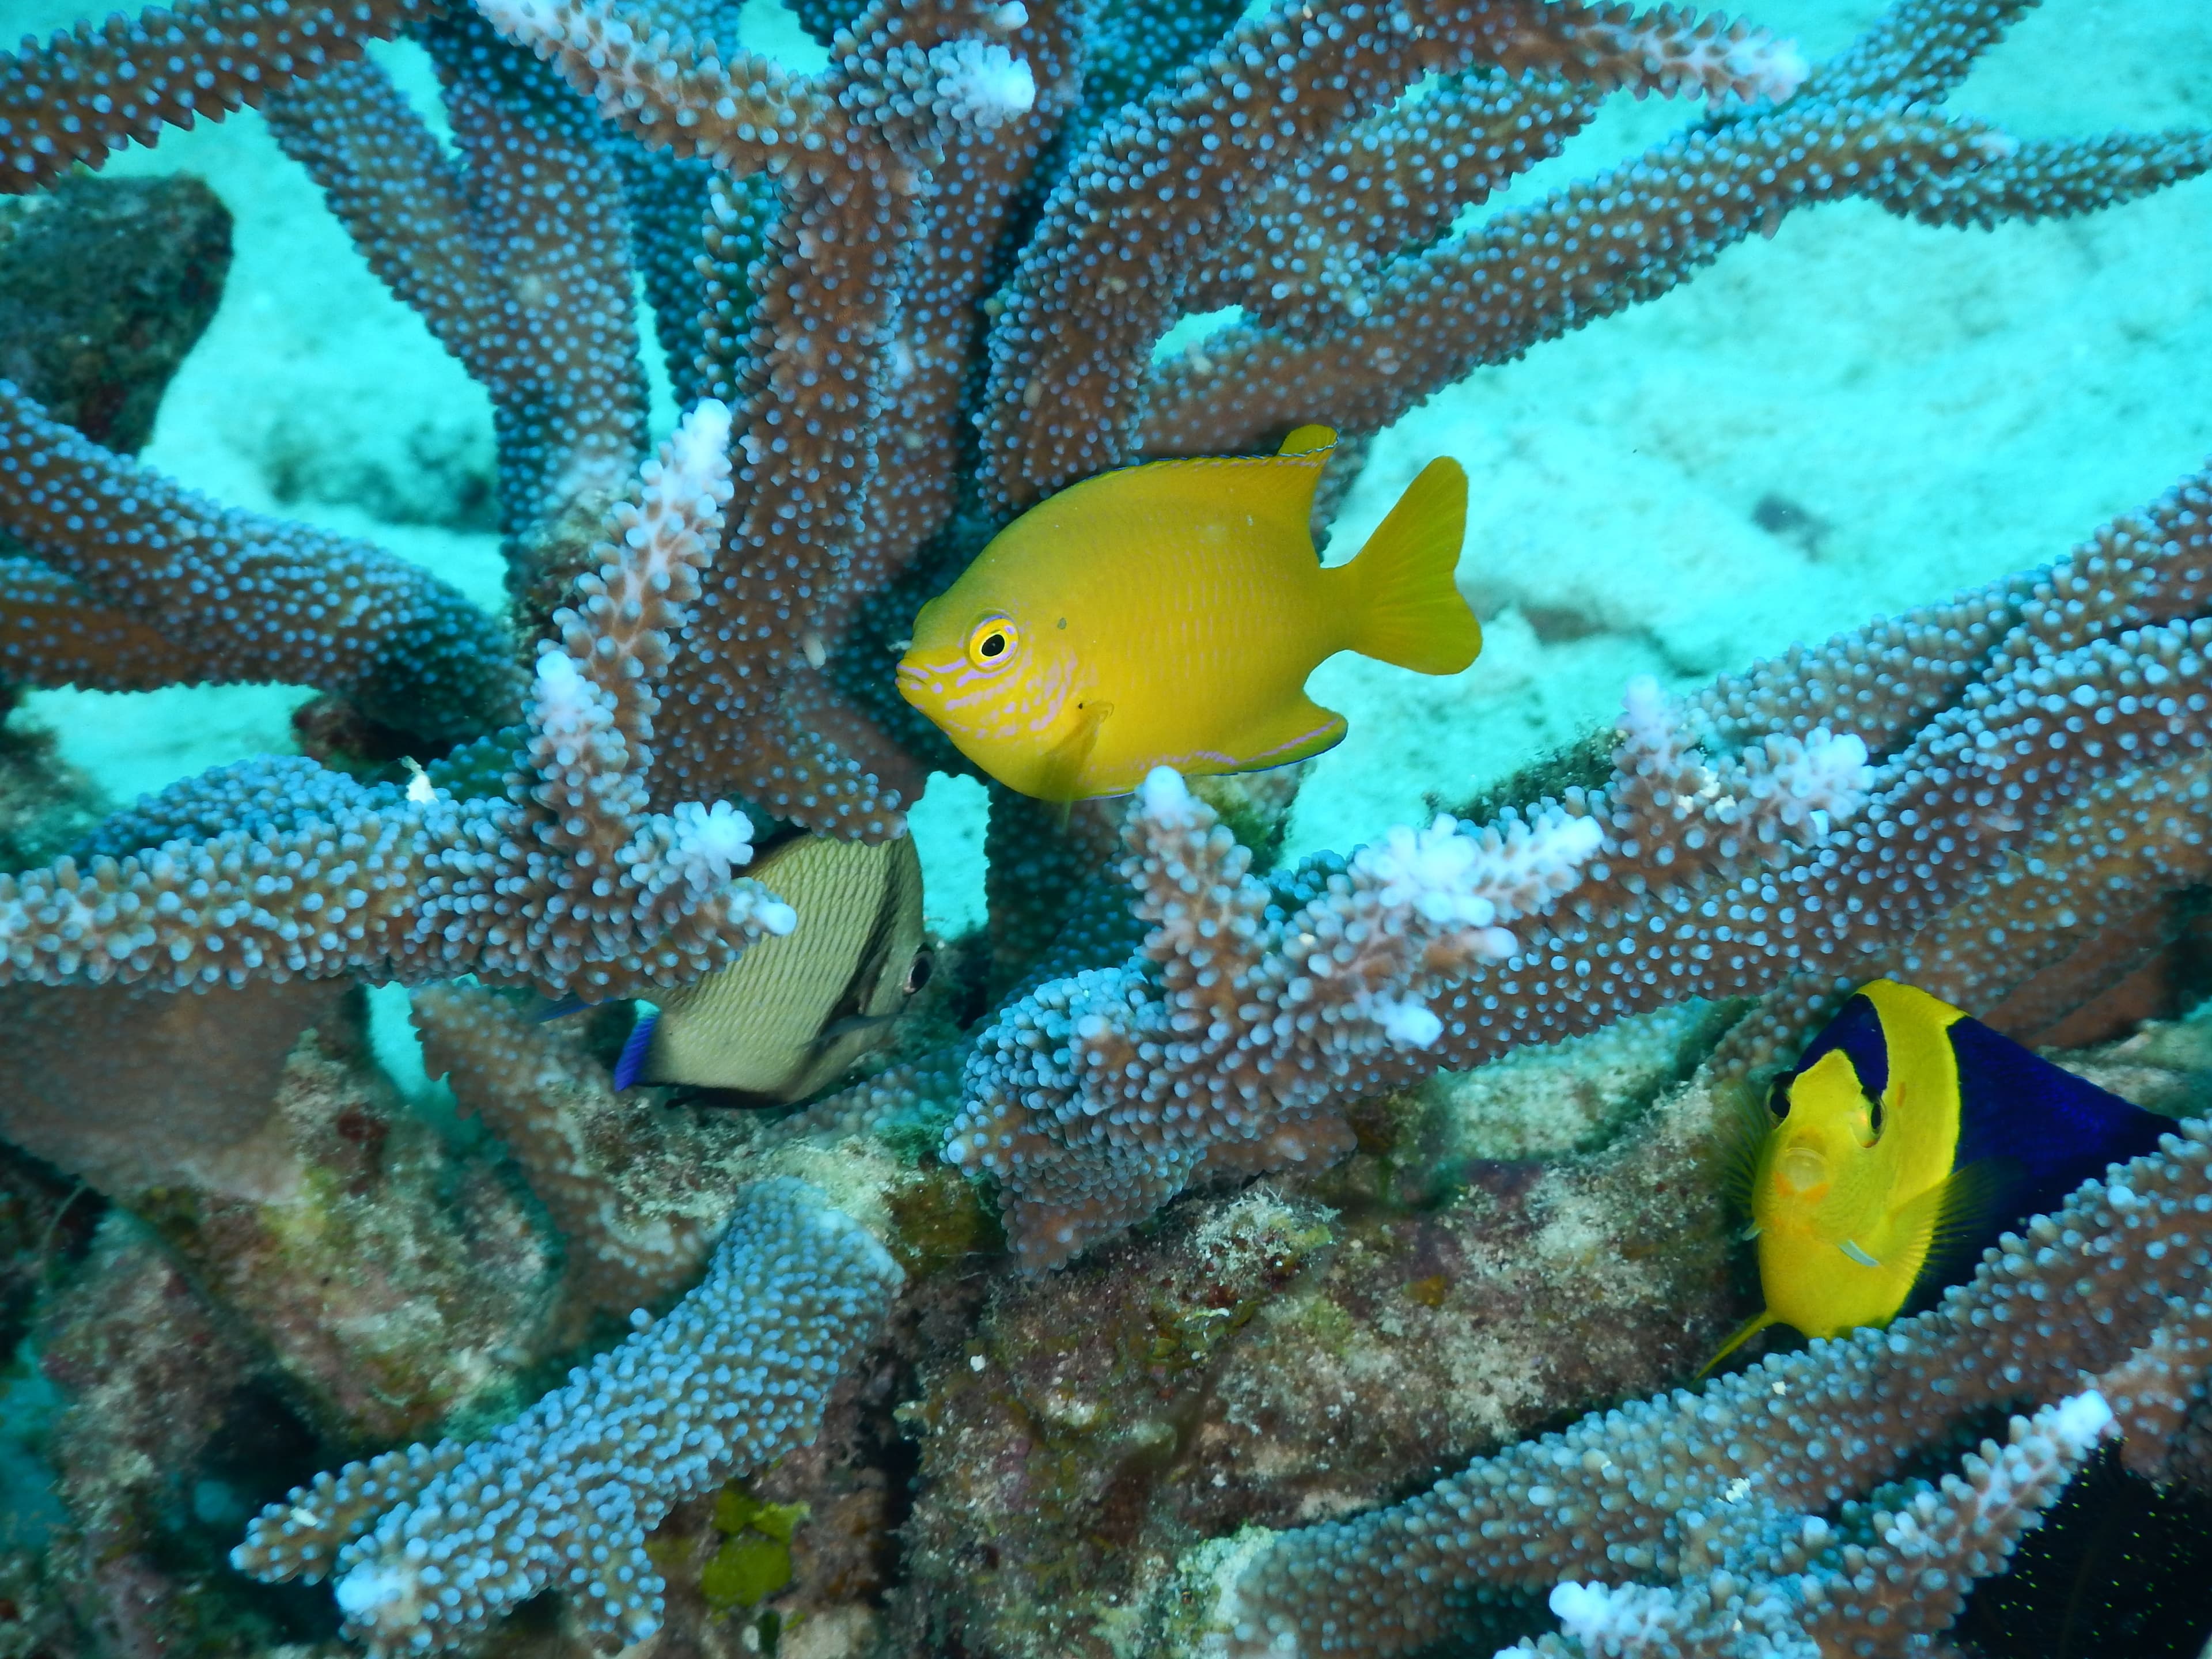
<point x="629" y="1068"/>
<point x="1300" y="729"/>
<point x="1060" y="778"/>
<point x="1403" y="605"/>
<point x="1742" y="1334"/>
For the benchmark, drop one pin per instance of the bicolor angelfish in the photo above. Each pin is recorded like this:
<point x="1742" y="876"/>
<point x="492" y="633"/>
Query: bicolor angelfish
<point x="1908" y="1138"/>
<point x="795" y="1011"/>
<point x="1169" y="615"/>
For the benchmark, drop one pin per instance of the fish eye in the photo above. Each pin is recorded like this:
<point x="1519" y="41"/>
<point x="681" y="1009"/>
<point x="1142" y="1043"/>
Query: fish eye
<point x="919" y="970"/>
<point x="1874" y="1109"/>
<point x="1778" y="1096"/>
<point x="992" y="642"/>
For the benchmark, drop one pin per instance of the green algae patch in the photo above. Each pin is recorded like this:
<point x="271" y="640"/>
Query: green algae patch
<point x="754" y="1561"/>
<point x="939" y="1219"/>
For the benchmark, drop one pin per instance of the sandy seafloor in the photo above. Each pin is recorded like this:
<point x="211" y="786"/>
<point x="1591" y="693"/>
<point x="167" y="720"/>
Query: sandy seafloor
<point x="1941" y="406"/>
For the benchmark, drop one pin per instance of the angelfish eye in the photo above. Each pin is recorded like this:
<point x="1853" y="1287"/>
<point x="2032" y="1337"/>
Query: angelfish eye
<point x="991" y="643"/>
<point x="918" y="971"/>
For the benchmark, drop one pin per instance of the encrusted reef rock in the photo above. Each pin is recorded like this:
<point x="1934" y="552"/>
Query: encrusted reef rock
<point x="1301" y="1349"/>
<point x="105" y="284"/>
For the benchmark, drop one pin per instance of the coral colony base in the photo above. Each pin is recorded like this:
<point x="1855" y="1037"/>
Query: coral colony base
<point x="901" y="299"/>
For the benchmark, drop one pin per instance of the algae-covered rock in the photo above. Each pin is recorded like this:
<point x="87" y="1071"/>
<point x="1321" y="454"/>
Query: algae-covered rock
<point x="1303" y="1350"/>
<point x="401" y="1278"/>
<point x="105" y="284"/>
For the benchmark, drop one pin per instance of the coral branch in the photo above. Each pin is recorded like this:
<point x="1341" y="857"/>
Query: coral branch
<point x="241" y="597"/>
<point x="1654" y="1470"/>
<point x="90" y="90"/>
<point x="564" y="882"/>
<point x="427" y="1547"/>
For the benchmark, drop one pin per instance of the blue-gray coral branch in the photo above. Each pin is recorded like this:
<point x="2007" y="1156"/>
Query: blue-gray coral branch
<point x="567" y="880"/>
<point x="429" y="1545"/>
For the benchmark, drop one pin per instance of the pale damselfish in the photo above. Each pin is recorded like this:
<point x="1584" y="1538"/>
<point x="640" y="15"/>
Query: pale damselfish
<point x="795" y="1012"/>
<point x="1909" y="1136"/>
<point x="1169" y="614"/>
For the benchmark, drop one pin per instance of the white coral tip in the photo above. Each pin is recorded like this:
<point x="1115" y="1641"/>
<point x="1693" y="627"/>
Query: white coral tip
<point x="2079" y="1421"/>
<point x="1162" y="795"/>
<point x="1409" y="1024"/>
<point x="980" y="83"/>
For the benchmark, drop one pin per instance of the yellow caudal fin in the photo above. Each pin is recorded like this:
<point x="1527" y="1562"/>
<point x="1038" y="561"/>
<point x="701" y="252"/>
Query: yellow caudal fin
<point x="1404" y="607"/>
<point x="1743" y="1333"/>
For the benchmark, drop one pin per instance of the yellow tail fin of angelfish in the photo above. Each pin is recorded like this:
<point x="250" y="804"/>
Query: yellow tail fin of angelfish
<point x="1409" y="612"/>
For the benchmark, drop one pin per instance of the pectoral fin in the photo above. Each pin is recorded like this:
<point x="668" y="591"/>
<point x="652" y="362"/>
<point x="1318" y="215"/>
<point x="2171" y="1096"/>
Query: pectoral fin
<point x="1062" y="777"/>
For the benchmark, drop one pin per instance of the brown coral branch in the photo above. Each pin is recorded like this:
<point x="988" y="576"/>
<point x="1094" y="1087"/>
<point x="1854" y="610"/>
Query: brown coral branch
<point x="241" y="597"/>
<point x="96" y="88"/>
<point x="396" y="190"/>
<point x="1538" y="272"/>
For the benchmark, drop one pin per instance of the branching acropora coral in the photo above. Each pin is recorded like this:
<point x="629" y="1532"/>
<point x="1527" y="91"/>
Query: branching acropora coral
<point x="429" y="1545"/>
<point x="567" y="880"/>
<point x="1252" y="1010"/>
<point x="1721" y="1495"/>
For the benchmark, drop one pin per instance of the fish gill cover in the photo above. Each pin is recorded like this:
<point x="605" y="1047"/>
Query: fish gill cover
<point x="1477" y="1061"/>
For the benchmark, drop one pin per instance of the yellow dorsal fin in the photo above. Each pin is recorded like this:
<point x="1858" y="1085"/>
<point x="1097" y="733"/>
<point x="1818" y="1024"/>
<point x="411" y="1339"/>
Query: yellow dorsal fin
<point x="1404" y="606"/>
<point x="1742" y="1334"/>
<point x="1283" y="484"/>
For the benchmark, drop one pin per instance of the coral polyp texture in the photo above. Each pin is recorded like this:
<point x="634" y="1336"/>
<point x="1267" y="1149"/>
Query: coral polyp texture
<point x="1157" y="1262"/>
<point x="428" y="1545"/>
<point x="1253" y="1011"/>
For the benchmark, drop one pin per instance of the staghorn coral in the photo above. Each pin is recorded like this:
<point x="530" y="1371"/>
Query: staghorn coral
<point x="853" y="305"/>
<point x="565" y="880"/>
<point x="430" y="1544"/>
<point x="1988" y="714"/>
<point x="876" y="205"/>
<point x="1250" y="1012"/>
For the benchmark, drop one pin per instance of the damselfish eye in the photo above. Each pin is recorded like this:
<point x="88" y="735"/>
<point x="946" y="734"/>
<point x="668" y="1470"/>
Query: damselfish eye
<point x="919" y="970"/>
<point x="991" y="643"/>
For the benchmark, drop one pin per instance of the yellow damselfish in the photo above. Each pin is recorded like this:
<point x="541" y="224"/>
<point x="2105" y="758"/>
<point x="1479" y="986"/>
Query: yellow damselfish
<point x="1908" y="1138"/>
<point x="1169" y="614"/>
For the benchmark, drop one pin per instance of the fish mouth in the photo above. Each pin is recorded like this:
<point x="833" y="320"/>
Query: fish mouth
<point x="914" y="682"/>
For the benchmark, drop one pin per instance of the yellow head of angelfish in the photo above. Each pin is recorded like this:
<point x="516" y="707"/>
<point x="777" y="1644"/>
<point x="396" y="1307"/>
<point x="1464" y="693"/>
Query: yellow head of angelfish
<point x="995" y="672"/>
<point x="1825" y="1200"/>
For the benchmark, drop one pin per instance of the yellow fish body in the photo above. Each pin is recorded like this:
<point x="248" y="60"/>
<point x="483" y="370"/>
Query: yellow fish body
<point x="1911" y="1132"/>
<point x="795" y="1011"/>
<point x="1169" y="614"/>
